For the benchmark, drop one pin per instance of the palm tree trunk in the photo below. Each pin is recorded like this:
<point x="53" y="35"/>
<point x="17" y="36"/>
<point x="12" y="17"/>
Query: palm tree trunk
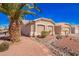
<point x="14" y="31"/>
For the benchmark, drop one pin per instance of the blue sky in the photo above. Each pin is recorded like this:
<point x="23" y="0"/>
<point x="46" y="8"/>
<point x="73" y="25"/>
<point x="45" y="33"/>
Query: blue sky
<point x="58" y="12"/>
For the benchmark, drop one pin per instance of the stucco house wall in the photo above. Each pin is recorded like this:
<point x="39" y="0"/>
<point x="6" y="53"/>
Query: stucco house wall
<point x="57" y="29"/>
<point x="75" y="29"/>
<point x="63" y="28"/>
<point x="26" y="29"/>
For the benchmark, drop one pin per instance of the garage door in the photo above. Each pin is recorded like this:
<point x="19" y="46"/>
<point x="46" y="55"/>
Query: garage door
<point x="40" y="28"/>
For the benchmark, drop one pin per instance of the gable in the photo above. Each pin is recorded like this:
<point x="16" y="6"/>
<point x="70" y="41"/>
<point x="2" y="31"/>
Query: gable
<point x="45" y="21"/>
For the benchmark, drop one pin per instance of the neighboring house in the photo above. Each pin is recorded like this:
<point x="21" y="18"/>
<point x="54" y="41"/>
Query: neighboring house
<point x="1" y="28"/>
<point x="4" y="29"/>
<point x="62" y="28"/>
<point x="34" y="28"/>
<point x="75" y="29"/>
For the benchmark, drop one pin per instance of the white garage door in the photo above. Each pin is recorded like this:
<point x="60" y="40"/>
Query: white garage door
<point x="50" y="28"/>
<point x="40" y="28"/>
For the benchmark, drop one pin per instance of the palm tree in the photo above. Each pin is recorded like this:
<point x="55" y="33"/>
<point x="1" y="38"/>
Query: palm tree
<point x="15" y="12"/>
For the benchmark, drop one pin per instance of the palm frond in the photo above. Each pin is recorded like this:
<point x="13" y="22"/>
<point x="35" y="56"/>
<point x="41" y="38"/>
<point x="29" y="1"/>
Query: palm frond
<point x="25" y="12"/>
<point x="7" y="8"/>
<point x="21" y="6"/>
<point x="33" y="6"/>
<point x="15" y="10"/>
<point x="4" y="11"/>
<point x="36" y="7"/>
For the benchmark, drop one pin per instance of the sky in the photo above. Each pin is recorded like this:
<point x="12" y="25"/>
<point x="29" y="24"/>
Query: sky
<point x="58" y="12"/>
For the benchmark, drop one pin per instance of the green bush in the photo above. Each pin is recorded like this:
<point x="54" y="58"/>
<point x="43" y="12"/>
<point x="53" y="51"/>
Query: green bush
<point x="4" y="46"/>
<point x="44" y="34"/>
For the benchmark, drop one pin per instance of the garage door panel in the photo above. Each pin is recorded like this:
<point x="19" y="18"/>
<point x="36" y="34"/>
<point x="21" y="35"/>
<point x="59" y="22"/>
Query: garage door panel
<point x="50" y="28"/>
<point x="40" y="28"/>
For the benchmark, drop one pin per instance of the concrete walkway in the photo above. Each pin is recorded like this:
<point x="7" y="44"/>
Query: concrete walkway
<point x="27" y="47"/>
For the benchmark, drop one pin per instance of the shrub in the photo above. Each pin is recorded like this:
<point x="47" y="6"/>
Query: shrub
<point x="73" y="53"/>
<point x="44" y="34"/>
<point x="59" y="36"/>
<point x="4" y="46"/>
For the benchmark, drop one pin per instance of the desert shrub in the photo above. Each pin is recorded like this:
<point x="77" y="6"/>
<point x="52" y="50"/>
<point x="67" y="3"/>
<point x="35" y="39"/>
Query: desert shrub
<point x="44" y="34"/>
<point x="72" y="53"/>
<point x="4" y="46"/>
<point x="59" y="36"/>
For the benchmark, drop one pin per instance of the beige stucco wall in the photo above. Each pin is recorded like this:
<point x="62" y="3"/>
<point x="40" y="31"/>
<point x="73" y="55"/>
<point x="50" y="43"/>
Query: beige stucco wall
<point x="57" y="29"/>
<point x="72" y="30"/>
<point x="63" y="28"/>
<point x="32" y="32"/>
<point x="75" y="29"/>
<point x="26" y="30"/>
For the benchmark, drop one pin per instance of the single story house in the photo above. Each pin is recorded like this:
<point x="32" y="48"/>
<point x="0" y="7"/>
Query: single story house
<point x="75" y="29"/>
<point x="35" y="27"/>
<point x="62" y="28"/>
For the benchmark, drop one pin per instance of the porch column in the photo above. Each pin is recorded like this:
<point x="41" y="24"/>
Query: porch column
<point x="53" y="30"/>
<point x="35" y="31"/>
<point x="45" y="27"/>
<point x="70" y="31"/>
